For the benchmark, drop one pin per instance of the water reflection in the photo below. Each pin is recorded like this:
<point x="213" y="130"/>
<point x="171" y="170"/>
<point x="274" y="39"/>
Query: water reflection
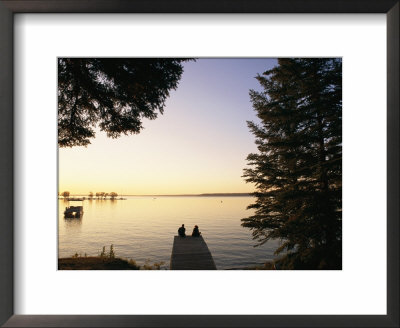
<point x="72" y="223"/>
<point x="143" y="228"/>
<point x="113" y="203"/>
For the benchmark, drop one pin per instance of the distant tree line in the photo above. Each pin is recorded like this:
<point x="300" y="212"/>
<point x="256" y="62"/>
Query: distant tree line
<point x="103" y="195"/>
<point x="98" y="195"/>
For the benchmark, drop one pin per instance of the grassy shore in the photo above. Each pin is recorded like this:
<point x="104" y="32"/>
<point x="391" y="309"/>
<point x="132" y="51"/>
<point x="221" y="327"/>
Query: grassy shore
<point x="108" y="261"/>
<point x="96" y="263"/>
<point x="102" y="263"/>
<point x="105" y="261"/>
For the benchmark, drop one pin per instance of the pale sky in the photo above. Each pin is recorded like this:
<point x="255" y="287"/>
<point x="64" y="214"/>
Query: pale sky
<point x="199" y="145"/>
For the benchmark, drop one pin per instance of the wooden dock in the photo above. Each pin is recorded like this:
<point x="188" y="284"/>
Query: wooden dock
<point x="191" y="253"/>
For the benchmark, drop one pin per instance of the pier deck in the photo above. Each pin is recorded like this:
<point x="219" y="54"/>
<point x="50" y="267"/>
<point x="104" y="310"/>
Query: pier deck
<point x="191" y="253"/>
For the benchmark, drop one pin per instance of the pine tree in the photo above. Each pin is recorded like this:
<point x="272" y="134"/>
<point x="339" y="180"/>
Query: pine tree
<point x="297" y="171"/>
<point x="111" y="93"/>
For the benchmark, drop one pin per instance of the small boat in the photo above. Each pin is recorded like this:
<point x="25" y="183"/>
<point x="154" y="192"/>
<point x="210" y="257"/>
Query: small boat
<point x="73" y="212"/>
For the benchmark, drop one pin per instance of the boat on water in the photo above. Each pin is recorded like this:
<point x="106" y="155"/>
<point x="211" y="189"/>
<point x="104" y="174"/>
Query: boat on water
<point x="73" y="212"/>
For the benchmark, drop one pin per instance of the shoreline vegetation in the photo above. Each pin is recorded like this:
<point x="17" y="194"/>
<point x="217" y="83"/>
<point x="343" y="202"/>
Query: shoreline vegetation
<point x="99" y="263"/>
<point x="108" y="261"/>
<point x="104" y="261"/>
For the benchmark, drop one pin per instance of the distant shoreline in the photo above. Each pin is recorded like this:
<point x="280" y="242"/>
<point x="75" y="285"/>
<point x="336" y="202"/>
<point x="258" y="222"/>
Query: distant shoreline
<point x="185" y="195"/>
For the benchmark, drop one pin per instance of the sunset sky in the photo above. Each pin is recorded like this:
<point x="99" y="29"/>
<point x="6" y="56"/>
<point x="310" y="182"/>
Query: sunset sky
<point x="199" y="144"/>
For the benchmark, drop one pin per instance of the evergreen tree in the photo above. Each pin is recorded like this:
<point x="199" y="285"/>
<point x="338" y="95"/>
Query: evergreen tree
<point x="113" y="93"/>
<point x="297" y="171"/>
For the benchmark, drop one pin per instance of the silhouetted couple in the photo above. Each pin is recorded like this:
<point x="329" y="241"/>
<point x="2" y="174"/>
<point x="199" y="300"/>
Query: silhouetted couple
<point x="195" y="233"/>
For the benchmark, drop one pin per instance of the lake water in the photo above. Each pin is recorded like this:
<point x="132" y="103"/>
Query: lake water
<point x="143" y="228"/>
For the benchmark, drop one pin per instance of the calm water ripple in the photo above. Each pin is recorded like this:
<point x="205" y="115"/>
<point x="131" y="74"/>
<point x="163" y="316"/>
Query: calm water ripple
<point x="142" y="228"/>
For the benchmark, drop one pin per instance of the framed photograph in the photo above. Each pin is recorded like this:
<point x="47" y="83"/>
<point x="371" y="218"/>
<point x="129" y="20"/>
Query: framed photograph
<point x="166" y="163"/>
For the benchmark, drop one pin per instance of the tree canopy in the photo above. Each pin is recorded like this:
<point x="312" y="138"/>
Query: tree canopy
<point x="297" y="171"/>
<point x="113" y="195"/>
<point x="114" y="94"/>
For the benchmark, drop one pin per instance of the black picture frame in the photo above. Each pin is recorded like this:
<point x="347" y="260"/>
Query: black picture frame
<point x="10" y="7"/>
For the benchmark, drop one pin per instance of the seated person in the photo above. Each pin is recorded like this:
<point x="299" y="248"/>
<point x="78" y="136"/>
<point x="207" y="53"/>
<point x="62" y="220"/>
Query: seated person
<point x="196" y="232"/>
<point x="181" y="231"/>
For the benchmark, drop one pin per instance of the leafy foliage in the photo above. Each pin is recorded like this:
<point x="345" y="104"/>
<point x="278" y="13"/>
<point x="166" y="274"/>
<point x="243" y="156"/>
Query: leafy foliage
<point x="113" y="195"/>
<point x="103" y="252"/>
<point x="112" y="93"/>
<point x="110" y="254"/>
<point x="104" y="261"/>
<point x="298" y="169"/>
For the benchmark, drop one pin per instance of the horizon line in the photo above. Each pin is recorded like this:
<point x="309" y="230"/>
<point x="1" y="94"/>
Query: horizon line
<point x="186" y="194"/>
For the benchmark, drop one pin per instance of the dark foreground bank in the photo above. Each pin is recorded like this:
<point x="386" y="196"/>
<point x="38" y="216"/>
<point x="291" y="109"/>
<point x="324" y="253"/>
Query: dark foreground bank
<point x="96" y="263"/>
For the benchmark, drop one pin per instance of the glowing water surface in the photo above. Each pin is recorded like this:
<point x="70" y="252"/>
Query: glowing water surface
<point x="143" y="228"/>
